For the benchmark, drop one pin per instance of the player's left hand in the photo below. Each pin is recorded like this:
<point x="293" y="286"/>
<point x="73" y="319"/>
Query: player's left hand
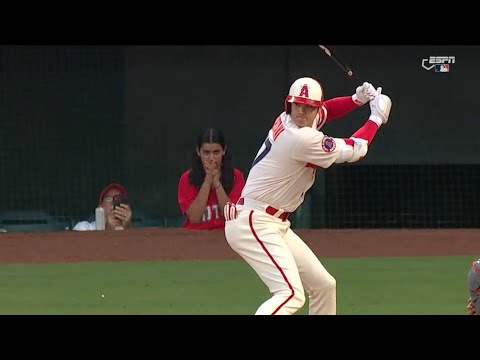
<point x="380" y="107"/>
<point x="230" y="211"/>
<point x="364" y="93"/>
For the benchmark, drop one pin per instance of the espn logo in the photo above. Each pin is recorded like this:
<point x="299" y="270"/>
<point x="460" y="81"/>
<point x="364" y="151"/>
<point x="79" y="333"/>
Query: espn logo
<point x="440" y="63"/>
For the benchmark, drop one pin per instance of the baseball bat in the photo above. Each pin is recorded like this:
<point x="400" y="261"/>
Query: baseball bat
<point x="341" y="64"/>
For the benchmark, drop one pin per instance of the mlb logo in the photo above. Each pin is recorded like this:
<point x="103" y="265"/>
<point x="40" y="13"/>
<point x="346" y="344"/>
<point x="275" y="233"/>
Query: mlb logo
<point x="442" y="68"/>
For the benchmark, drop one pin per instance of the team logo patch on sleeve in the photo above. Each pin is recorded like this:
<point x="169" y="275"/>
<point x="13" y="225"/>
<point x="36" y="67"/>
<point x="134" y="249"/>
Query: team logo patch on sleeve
<point x="328" y="144"/>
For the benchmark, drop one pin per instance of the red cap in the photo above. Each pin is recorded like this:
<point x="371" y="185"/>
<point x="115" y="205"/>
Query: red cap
<point x="110" y="187"/>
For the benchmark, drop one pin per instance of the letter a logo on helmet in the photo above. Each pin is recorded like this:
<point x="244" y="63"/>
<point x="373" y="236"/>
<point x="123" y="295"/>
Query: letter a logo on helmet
<point x="304" y="91"/>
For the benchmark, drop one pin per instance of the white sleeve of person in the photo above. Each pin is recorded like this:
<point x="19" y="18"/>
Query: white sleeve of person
<point x="322" y="150"/>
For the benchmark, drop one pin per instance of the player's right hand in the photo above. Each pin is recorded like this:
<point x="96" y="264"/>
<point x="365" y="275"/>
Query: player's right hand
<point x="380" y="108"/>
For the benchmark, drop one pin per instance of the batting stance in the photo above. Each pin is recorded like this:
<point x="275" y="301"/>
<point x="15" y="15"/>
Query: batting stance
<point x="473" y="283"/>
<point x="257" y="226"/>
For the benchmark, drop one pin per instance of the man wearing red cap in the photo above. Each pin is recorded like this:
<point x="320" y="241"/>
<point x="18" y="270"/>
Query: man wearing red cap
<point x="119" y="217"/>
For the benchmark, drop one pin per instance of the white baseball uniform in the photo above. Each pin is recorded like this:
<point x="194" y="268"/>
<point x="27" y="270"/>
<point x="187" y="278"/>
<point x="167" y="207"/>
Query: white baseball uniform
<point x="258" y="229"/>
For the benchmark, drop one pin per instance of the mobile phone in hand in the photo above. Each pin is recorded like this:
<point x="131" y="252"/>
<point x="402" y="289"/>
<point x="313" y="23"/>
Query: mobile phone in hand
<point x="119" y="199"/>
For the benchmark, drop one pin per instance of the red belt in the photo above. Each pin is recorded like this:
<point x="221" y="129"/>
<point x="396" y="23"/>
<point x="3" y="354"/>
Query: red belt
<point x="269" y="210"/>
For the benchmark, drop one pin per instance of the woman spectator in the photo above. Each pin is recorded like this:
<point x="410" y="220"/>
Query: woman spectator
<point x="211" y="182"/>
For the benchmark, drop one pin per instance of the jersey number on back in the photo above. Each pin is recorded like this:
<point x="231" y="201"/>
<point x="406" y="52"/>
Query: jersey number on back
<point x="276" y="130"/>
<point x="267" y="147"/>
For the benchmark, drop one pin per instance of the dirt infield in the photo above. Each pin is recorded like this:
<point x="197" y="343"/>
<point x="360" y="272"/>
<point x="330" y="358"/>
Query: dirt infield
<point x="161" y="243"/>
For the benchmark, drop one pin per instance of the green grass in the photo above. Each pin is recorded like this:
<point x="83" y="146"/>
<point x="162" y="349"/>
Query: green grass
<point x="394" y="285"/>
<point x="404" y="285"/>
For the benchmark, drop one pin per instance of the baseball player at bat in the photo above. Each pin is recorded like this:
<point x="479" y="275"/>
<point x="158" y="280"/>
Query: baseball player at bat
<point x="257" y="226"/>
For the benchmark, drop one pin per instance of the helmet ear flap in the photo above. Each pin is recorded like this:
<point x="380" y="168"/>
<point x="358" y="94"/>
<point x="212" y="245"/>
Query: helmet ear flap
<point x="322" y="116"/>
<point x="288" y="107"/>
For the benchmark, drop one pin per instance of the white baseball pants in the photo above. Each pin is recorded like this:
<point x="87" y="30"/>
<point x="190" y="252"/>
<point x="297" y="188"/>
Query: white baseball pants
<point x="283" y="261"/>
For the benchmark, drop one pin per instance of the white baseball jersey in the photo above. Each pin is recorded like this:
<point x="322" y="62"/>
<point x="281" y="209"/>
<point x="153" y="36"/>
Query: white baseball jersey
<point x="284" y="168"/>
